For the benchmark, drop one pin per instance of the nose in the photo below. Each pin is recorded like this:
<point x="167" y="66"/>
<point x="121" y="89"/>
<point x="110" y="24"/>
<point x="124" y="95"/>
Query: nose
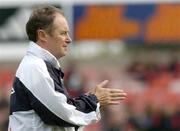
<point x="68" y="39"/>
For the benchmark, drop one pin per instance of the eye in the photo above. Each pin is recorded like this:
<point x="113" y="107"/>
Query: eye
<point x="64" y="33"/>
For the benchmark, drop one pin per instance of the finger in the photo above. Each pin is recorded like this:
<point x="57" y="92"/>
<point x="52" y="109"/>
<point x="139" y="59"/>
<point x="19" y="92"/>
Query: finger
<point x="116" y="91"/>
<point x="104" y="83"/>
<point x="118" y="98"/>
<point x="118" y="95"/>
<point x="114" y="103"/>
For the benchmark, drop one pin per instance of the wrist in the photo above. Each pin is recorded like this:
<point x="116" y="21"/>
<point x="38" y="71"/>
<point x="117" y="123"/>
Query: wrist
<point x="94" y="97"/>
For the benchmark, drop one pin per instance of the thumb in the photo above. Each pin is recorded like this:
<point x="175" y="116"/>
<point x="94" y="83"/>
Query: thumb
<point x="103" y="84"/>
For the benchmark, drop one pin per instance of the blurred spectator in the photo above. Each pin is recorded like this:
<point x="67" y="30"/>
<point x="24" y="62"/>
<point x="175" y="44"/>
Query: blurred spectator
<point x="73" y="81"/>
<point x="4" y="113"/>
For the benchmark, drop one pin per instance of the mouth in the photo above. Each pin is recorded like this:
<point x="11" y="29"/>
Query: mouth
<point x="65" y="47"/>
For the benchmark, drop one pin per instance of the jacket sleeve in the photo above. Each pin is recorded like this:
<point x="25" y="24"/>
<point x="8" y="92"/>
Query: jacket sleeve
<point x="84" y="103"/>
<point x="54" y="107"/>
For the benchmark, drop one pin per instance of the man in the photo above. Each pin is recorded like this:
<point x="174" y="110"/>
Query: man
<point x="39" y="101"/>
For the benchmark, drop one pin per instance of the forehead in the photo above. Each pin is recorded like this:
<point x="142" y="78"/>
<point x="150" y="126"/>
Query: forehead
<point x="60" y="22"/>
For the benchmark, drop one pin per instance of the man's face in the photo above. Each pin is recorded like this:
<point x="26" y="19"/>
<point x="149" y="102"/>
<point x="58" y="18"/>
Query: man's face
<point x="59" y="39"/>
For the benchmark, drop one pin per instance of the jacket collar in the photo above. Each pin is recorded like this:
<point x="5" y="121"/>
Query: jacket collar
<point x="38" y="51"/>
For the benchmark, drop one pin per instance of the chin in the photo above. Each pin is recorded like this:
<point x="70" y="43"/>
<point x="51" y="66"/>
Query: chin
<point x="63" y="54"/>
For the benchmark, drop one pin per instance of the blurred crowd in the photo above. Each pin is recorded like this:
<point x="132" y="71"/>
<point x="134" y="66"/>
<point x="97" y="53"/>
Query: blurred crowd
<point x="153" y="102"/>
<point x="6" y="79"/>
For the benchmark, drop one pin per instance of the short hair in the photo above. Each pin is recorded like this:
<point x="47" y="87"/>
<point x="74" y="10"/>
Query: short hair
<point x="41" y="18"/>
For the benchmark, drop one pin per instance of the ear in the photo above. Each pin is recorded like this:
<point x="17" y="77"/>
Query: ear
<point x="41" y="35"/>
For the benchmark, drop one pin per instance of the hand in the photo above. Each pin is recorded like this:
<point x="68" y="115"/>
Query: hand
<point x="108" y="96"/>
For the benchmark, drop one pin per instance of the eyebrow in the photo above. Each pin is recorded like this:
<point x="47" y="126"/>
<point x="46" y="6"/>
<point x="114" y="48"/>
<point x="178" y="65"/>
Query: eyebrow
<point x="67" y="31"/>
